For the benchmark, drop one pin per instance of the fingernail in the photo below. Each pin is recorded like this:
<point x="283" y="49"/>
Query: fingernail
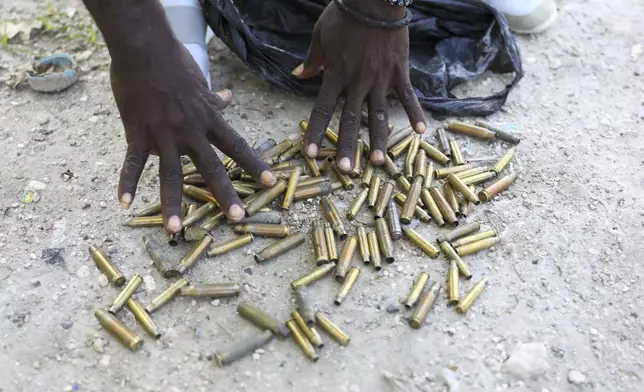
<point x="126" y="200"/>
<point x="174" y="224"/>
<point x="268" y="178"/>
<point x="420" y="127"/>
<point x="225" y="94"/>
<point x="377" y="157"/>
<point x="312" y="150"/>
<point x="344" y="164"/>
<point x="298" y="71"/>
<point x="235" y="212"/>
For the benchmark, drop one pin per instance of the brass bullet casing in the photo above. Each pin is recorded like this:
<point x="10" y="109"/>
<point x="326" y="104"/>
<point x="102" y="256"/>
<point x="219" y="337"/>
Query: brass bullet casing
<point x="469" y="298"/>
<point x="166" y="296"/>
<point x="429" y="175"/>
<point x="477" y="246"/>
<point x="348" y="283"/>
<point x="384" y="240"/>
<point x="472" y="172"/>
<point x="446" y="171"/>
<point x="212" y="222"/>
<point x="364" y="245"/>
<point x="262" y="230"/>
<point x="415" y="238"/>
<point x="357" y="161"/>
<point x="152" y="209"/>
<point x="453" y="294"/>
<point x="479" y="178"/>
<point x="409" y="208"/>
<point x="267" y="218"/>
<point x="402" y="146"/>
<point x="331" y="215"/>
<point x="174" y="238"/>
<point x="311" y="335"/>
<point x="302" y="341"/>
<point x="343" y="178"/>
<point x="319" y="244"/>
<point x="312" y="164"/>
<point x="331" y="247"/>
<point x="434" y="153"/>
<point x="190" y="258"/>
<point x="289" y="165"/>
<point x="460" y="232"/>
<point x="333" y="330"/>
<point x="105" y="264"/>
<point x="198" y="214"/>
<point x="242" y="348"/>
<point x="277" y="150"/>
<point x="293" y="181"/>
<point x="418" y="212"/>
<point x="304" y="182"/>
<point x="144" y="221"/>
<point x="327" y="152"/>
<point x="408" y="167"/>
<point x="159" y="257"/>
<point x="425" y="304"/>
<point x="311" y="191"/>
<point x="265" y="197"/>
<point x="384" y="196"/>
<point x="393" y="221"/>
<point x="451" y="254"/>
<point x="211" y="290"/>
<point x="391" y="169"/>
<point x="416" y="290"/>
<point x="327" y="165"/>
<point x="291" y="152"/>
<point x="501" y="185"/>
<point x="238" y="174"/>
<point x="367" y="174"/>
<point x="374" y="189"/>
<point x="374" y="250"/>
<point x="503" y="161"/>
<point x="473" y="238"/>
<point x="397" y="137"/>
<point x="451" y="198"/>
<point x="420" y="165"/>
<point x="143" y="318"/>
<point x="315" y="275"/>
<point x="432" y="207"/>
<point x="199" y="194"/>
<point x="304" y="306"/>
<point x="443" y="143"/>
<point x="466" y="206"/>
<point x="280" y="247"/>
<point x="117" y="329"/>
<point x="329" y="133"/>
<point x="499" y="133"/>
<point x="188" y="169"/>
<point x="470" y="130"/>
<point x="404" y="184"/>
<point x="346" y="257"/>
<point x="190" y="209"/>
<point x="460" y="186"/>
<point x="128" y="290"/>
<point x="457" y="155"/>
<point x="357" y="204"/>
<point x="228" y="246"/>
<point x="243" y="190"/>
<point x="262" y="319"/>
<point x="448" y="213"/>
<point x="228" y="161"/>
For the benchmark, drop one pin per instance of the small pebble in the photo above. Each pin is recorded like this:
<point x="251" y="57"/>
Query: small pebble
<point x="256" y="356"/>
<point x="83" y="272"/>
<point x="67" y="324"/>
<point x="103" y="281"/>
<point x="215" y="302"/>
<point x="393" y="308"/>
<point x="576" y="377"/>
<point x="99" y="345"/>
<point x="102" y="204"/>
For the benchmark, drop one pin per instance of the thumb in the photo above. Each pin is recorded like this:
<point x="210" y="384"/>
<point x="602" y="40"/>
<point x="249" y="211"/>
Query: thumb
<point x="314" y="62"/>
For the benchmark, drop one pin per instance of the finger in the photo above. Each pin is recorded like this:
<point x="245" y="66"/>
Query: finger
<point x="409" y="100"/>
<point x="314" y="61"/>
<point x="135" y="159"/>
<point x="216" y="177"/>
<point x="171" y="186"/>
<point x="223" y="98"/>
<point x="322" y="112"/>
<point x="378" y="125"/>
<point x="348" y="133"/>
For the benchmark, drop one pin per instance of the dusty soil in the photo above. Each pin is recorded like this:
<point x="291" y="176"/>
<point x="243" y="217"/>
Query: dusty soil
<point x="566" y="275"/>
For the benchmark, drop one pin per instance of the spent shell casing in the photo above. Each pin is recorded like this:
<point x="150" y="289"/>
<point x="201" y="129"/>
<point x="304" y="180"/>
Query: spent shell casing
<point x="453" y="294"/>
<point x="418" y="212"/>
<point x="159" y="257"/>
<point x="374" y="250"/>
<point x="289" y="194"/>
<point x="398" y="136"/>
<point x="478" y="178"/>
<point x="374" y="189"/>
<point x="311" y="335"/>
<point x="451" y="254"/>
<point x="105" y="264"/>
<point x="319" y="244"/>
<point x="433" y="153"/>
<point x="504" y="160"/>
<point x="471" y="172"/>
<point x="243" y="347"/>
<point x="402" y="146"/>
<point x="214" y="221"/>
<point x="409" y="208"/>
<point x="332" y="329"/>
<point x="312" y="164"/>
<point x="266" y="217"/>
<point x="408" y="167"/>
<point x="363" y="242"/>
<point x="425" y="304"/>
<point x="384" y="196"/>
<point x="327" y="165"/>
<point x="499" y="133"/>
<point x="471" y="296"/>
<point x="391" y="169"/>
<point x="460" y="232"/>
<point x="466" y="206"/>
<point x="288" y="166"/>
<point x="432" y="207"/>
<point x="420" y="165"/>
<point x="188" y="169"/>
<point x="277" y="150"/>
<point x="347" y="284"/>
<point x="194" y="179"/>
<point x="446" y="171"/>
<point x="367" y="174"/>
<point x="280" y="247"/>
<point x="330" y="213"/>
<point x="357" y="160"/>
<point x="262" y="319"/>
<point x="301" y="340"/>
<point x="128" y="290"/>
<point x="404" y="184"/>
<point x="199" y="194"/>
<point x="144" y="221"/>
<point x="384" y="240"/>
<point x="329" y="133"/>
<point x="457" y="155"/>
<point x="429" y="175"/>
<point x="228" y="246"/>
<point x="238" y="174"/>
<point x="446" y="210"/>
<point x="192" y="208"/>
<point x="315" y="275"/>
<point x="304" y="305"/>
<point x="416" y="239"/>
<point x="357" y="204"/>
<point x="315" y="190"/>
<point x="501" y="185"/>
<point x="470" y="130"/>
<point x="331" y="246"/>
<point x="416" y="290"/>
<point x="174" y="238"/>
<point x="451" y="198"/>
<point x="393" y="221"/>
<point x="443" y="143"/>
<point x="345" y="259"/>
<point x="166" y="295"/>
<point x="265" y="197"/>
<point x="211" y="290"/>
<point x="473" y="238"/>
<point x="143" y="318"/>
<point x="152" y="209"/>
<point x="304" y="182"/>
<point x="327" y="152"/>
<point x="119" y="330"/>
<point x="291" y="152"/>
<point x="262" y="230"/>
<point x="477" y="246"/>
<point x="459" y="186"/>
<point x="190" y="258"/>
<point x="343" y="178"/>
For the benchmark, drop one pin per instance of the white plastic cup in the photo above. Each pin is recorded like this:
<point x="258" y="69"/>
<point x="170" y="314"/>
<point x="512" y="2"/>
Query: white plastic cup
<point x="527" y="16"/>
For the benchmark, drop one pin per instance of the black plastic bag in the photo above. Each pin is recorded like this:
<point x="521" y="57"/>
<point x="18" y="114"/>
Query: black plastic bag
<point x="451" y="42"/>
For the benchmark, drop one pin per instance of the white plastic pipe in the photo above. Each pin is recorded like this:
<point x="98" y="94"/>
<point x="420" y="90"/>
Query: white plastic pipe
<point x="527" y="16"/>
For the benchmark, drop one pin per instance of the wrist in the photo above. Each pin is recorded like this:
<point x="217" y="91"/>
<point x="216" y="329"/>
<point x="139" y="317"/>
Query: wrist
<point x="379" y="9"/>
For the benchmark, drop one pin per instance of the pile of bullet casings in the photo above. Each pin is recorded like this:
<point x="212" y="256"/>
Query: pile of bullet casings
<point x="421" y="191"/>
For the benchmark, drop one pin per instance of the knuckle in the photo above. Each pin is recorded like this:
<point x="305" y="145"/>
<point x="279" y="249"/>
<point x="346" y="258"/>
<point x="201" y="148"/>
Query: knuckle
<point x="321" y="110"/>
<point x="214" y="169"/>
<point x="378" y="116"/>
<point x="133" y="162"/>
<point x="173" y="201"/>
<point x="171" y="177"/>
<point x="408" y="94"/>
<point x="350" y="120"/>
<point x="240" y="145"/>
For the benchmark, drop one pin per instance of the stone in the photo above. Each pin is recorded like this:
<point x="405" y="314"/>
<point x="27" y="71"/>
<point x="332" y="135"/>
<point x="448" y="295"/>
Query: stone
<point x="149" y="282"/>
<point x="99" y="345"/>
<point x="393" y="308"/>
<point x="67" y="324"/>
<point x="576" y="377"/>
<point x="103" y="281"/>
<point x="83" y="272"/>
<point x="34" y="185"/>
<point x="528" y="360"/>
